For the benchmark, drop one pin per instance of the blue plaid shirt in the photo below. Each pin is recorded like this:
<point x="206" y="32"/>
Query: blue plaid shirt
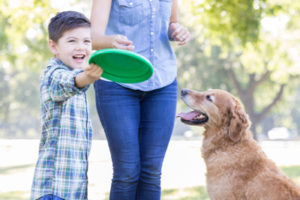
<point x="146" y="23"/>
<point x="65" y="144"/>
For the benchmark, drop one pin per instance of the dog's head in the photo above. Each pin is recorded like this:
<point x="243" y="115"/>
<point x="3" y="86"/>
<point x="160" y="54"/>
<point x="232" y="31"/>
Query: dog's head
<point x="215" y="109"/>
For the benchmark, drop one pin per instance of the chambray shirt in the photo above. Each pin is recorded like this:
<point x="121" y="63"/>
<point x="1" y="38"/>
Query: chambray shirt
<point x="65" y="143"/>
<point x="146" y="23"/>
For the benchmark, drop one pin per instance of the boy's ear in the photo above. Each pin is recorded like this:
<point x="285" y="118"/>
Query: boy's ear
<point x="52" y="47"/>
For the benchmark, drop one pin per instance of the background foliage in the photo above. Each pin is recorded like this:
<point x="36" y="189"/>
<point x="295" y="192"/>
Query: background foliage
<point x="248" y="47"/>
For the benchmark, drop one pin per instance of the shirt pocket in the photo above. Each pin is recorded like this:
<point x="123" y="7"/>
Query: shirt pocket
<point x="131" y="12"/>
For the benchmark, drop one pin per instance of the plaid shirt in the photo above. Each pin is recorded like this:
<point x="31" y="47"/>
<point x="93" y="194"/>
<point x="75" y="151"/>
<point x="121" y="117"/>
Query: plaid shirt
<point x="65" y="144"/>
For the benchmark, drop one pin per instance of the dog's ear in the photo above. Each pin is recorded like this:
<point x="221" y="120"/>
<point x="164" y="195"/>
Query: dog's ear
<point x="239" y="122"/>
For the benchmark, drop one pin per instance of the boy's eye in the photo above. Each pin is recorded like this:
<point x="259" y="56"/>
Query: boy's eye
<point x="87" y="41"/>
<point x="71" y="41"/>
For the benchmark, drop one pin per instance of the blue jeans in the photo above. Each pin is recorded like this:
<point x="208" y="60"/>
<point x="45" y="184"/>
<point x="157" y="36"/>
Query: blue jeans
<point x="50" y="197"/>
<point x="138" y="126"/>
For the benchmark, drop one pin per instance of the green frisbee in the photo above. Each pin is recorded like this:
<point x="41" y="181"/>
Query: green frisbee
<point x="122" y="66"/>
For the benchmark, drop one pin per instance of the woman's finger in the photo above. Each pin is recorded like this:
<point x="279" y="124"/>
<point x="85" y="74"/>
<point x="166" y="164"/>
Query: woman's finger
<point x="177" y="31"/>
<point x="121" y="42"/>
<point x="123" y="46"/>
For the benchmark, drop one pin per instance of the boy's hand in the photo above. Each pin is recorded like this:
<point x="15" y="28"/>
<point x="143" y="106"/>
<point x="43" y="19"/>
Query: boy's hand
<point x="179" y="33"/>
<point x="93" y="72"/>
<point x="90" y="74"/>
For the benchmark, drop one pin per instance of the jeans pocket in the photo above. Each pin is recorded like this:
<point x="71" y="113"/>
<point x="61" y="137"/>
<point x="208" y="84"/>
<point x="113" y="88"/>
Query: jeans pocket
<point x="107" y="88"/>
<point x="131" y="12"/>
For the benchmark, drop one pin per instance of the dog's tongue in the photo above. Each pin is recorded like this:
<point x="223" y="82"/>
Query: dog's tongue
<point x="188" y="116"/>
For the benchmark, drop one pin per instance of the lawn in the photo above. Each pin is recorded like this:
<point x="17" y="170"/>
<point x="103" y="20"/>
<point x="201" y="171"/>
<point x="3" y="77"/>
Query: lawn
<point x="182" y="178"/>
<point x="192" y="193"/>
<point x="199" y="193"/>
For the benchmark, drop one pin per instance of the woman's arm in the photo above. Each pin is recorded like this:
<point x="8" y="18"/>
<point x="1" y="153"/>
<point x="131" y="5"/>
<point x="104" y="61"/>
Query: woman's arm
<point x="174" y="12"/>
<point x="99" y="19"/>
<point x="178" y="32"/>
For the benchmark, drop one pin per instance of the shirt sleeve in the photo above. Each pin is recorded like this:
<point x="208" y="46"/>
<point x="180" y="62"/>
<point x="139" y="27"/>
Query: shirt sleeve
<point x="62" y="84"/>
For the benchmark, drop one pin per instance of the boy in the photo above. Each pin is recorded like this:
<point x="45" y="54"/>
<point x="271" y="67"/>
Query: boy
<point x="61" y="169"/>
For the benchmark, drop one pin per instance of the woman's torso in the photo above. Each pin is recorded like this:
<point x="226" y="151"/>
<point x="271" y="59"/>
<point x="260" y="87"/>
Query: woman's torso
<point x="146" y="23"/>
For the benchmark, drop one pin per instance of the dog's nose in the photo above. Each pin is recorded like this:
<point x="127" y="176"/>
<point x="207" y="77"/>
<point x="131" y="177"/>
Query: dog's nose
<point x="184" y="92"/>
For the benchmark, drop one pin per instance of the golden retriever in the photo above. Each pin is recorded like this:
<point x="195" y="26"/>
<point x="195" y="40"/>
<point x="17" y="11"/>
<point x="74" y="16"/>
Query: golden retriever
<point x="237" y="168"/>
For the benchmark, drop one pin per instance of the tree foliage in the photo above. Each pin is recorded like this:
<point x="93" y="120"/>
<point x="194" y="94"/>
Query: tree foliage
<point x="229" y="21"/>
<point x="24" y="51"/>
<point x="24" y="54"/>
<point x="255" y="58"/>
<point x="248" y="47"/>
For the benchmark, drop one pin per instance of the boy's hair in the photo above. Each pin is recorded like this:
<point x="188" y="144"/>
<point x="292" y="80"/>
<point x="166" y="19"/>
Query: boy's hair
<point x="65" y="21"/>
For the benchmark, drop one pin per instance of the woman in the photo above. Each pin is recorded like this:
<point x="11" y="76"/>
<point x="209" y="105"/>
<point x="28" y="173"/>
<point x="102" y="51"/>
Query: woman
<point x="138" y="118"/>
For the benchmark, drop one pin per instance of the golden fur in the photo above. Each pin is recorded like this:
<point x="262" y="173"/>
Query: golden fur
<point x="237" y="168"/>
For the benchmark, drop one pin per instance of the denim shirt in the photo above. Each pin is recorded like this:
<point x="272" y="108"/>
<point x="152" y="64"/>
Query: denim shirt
<point x="146" y="23"/>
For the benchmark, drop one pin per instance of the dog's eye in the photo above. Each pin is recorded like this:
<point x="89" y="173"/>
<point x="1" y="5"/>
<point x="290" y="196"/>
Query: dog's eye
<point x="209" y="98"/>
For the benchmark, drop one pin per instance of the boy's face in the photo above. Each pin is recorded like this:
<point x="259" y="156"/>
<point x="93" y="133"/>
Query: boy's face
<point x="73" y="48"/>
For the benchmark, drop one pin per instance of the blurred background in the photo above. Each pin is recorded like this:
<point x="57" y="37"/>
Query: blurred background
<point x="250" y="48"/>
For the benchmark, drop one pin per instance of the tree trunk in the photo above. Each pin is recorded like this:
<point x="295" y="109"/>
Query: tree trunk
<point x="246" y="95"/>
<point x="253" y="128"/>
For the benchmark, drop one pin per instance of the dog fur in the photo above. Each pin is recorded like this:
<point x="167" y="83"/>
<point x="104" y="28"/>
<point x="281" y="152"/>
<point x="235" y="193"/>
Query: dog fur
<point x="237" y="168"/>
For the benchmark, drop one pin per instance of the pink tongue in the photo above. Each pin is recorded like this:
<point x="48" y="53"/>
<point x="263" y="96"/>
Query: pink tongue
<point x="188" y="116"/>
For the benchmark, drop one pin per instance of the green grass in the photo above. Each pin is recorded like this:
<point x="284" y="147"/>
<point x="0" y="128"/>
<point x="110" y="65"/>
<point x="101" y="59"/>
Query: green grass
<point x="293" y="172"/>
<point x="15" y="195"/>
<point x="12" y="169"/>
<point x="191" y="193"/>
<point x="199" y="193"/>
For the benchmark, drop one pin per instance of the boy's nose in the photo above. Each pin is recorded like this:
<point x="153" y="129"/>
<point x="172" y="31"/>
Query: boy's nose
<point x="81" y="45"/>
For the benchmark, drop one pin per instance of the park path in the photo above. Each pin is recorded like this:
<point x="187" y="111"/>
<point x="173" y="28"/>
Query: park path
<point x="183" y="166"/>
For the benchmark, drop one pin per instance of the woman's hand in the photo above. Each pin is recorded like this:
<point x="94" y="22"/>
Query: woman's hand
<point x="121" y="42"/>
<point x="179" y="33"/>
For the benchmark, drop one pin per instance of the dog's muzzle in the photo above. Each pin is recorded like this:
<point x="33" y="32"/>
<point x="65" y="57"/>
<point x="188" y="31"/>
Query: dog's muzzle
<point x="194" y="117"/>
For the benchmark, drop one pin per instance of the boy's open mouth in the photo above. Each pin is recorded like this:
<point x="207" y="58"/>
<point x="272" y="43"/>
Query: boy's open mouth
<point x="79" y="57"/>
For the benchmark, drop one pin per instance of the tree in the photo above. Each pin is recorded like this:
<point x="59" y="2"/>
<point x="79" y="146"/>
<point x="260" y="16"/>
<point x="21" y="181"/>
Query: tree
<point x="24" y="51"/>
<point x="257" y="62"/>
<point x="24" y="54"/>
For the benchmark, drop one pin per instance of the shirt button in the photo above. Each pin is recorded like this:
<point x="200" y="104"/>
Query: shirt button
<point x="130" y="3"/>
<point x="151" y="50"/>
<point x="151" y="33"/>
<point x="154" y="9"/>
